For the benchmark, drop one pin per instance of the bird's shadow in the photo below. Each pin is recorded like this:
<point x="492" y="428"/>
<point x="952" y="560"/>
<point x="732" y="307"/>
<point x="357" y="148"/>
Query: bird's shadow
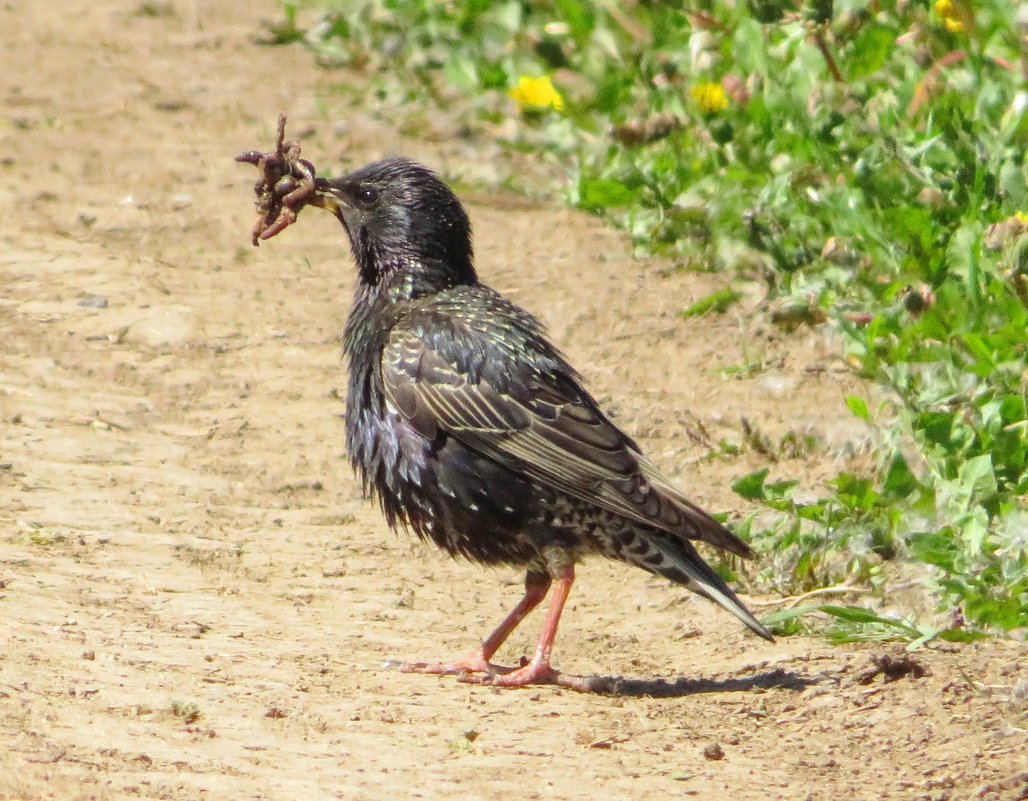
<point x="682" y="687"/>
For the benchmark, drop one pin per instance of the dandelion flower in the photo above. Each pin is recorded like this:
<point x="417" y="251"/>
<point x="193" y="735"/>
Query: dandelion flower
<point x="710" y="97"/>
<point x="951" y="16"/>
<point x="536" y="94"/>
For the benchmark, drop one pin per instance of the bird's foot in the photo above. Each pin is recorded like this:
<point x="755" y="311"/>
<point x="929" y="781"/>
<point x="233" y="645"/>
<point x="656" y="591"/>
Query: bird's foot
<point x="531" y="673"/>
<point x="476" y="669"/>
<point x="473" y="664"/>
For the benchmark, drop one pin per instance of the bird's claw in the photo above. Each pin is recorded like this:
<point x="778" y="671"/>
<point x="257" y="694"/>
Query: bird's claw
<point x="463" y="669"/>
<point x="474" y="669"/>
<point x="526" y="677"/>
<point x="531" y="673"/>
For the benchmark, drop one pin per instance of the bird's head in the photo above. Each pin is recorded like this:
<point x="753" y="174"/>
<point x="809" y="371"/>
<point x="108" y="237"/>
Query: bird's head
<point x="404" y="224"/>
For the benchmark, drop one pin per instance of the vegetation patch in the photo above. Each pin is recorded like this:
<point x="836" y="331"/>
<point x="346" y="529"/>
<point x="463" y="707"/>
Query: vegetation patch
<point x="864" y="160"/>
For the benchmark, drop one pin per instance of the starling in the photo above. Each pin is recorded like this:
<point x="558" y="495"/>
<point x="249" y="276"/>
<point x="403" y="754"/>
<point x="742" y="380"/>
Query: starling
<point x="472" y="430"/>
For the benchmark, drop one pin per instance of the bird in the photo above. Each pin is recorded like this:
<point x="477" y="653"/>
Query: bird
<point x="473" y="431"/>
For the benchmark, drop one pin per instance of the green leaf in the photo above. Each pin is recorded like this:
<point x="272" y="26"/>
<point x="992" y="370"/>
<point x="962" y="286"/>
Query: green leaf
<point x="938" y="548"/>
<point x="750" y="50"/>
<point x="780" y="490"/>
<point x="926" y="637"/>
<point x="858" y="407"/>
<point x="858" y="623"/>
<point x="494" y="77"/>
<point x="751" y="486"/>
<point x="899" y="481"/>
<point x="870" y="51"/>
<point x="719" y="301"/>
<point x="852" y="614"/>
<point x="963" y="257"/>
<point x="936" y="427"/>
<point x="983" y="354"/>
<point x="462" y="73"/>
<point x="862" y="616"/>
<point x="961" y="635"/>
<point x="977" y="473"/>
<point x="580" y="17"/>
<point x="597" y="194"/>
<point x="855" y="492"/>
<point x="785" y="615"/>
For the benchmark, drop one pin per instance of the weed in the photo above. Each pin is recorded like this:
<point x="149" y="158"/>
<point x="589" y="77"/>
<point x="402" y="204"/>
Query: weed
<point x="190" y="713"/>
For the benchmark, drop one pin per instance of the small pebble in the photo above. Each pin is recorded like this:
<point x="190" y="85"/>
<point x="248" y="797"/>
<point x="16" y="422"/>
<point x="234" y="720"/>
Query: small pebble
<point x="94" y="302"/>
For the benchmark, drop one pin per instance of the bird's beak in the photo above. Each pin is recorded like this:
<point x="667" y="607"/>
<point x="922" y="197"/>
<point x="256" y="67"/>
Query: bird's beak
<point x="328" y="197"/>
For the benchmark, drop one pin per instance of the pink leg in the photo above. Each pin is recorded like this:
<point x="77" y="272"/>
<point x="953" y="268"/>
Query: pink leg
<point x="536" y="587"/>
<point x="538" y="671"/>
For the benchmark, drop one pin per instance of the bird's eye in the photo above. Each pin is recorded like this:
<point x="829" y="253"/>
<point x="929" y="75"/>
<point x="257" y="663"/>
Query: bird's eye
<point x="367" y="196"/>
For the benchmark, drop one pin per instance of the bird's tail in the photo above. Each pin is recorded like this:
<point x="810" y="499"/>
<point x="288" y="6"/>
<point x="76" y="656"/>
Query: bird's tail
<point x="679" y="561"/>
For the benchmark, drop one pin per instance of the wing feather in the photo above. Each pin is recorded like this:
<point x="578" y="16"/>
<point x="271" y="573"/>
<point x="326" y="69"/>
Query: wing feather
<point x="547" y="427"/>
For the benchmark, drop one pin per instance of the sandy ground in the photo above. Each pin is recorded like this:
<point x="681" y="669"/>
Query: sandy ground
<point x="194" y="600"/>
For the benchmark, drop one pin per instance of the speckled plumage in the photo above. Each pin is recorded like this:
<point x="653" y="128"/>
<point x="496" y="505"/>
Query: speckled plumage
<point x="470" y="428"/>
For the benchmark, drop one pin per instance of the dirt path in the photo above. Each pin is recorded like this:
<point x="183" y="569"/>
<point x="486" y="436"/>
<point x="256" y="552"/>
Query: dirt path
<point x="194" y="601"/>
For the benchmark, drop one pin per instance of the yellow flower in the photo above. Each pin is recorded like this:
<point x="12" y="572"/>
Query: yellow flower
<point x="951" y="16"/>
<point x="536" y="94"/>
<point x="710" y="97"/>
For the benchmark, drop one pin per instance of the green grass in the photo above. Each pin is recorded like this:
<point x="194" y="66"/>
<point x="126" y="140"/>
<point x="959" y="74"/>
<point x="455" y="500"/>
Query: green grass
<point x="866" y="161"/>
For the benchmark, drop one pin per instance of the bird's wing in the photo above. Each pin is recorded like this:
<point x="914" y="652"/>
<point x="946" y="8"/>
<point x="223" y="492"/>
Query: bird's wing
<point x="545" y="426"/>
